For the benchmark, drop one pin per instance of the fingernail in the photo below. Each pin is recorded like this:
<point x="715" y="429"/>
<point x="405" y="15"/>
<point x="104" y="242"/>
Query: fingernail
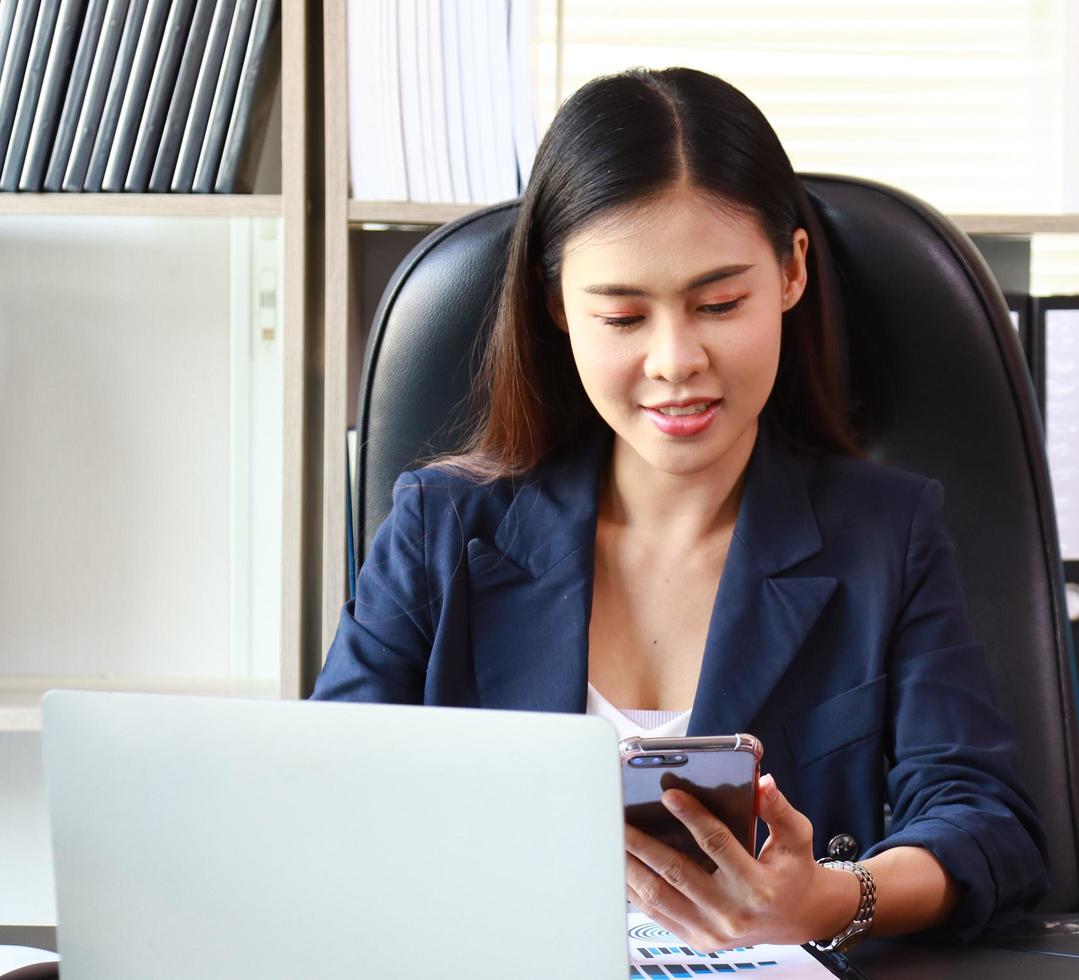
<point x="672" y="802"/>
<point x="768" y="784"/>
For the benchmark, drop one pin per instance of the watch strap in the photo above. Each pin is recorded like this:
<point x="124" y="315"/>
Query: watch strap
<point x="867" y="907"/>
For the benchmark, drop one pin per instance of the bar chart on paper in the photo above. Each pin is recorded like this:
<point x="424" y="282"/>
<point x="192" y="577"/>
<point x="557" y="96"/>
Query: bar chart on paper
<point x="656" y="953"/>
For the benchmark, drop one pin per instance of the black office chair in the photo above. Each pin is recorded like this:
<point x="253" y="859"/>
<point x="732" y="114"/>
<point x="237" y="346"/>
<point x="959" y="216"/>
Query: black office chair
<point x="941" y="386"/>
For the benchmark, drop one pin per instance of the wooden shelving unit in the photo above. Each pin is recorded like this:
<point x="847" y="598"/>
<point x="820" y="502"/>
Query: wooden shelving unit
<point x="1021" y="225"/>
<point x="405" y="213"/>
<point x="336" y="303"/>
<point x="20" y="696"/>
<point x="297" y="584"/>
<point x="145" y="205"/>
<point x="413" y="214"/>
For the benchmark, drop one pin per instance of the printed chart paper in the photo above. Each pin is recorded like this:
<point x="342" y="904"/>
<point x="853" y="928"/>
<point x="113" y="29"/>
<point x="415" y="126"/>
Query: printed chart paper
<point x="656" y="953"/>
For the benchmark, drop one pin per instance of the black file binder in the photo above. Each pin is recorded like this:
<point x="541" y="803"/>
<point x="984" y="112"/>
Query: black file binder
<point x="1040" y="306"/>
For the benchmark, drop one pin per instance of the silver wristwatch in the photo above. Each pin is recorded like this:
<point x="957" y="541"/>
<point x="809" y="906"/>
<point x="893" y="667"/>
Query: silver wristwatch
<point x="867" y="906"/>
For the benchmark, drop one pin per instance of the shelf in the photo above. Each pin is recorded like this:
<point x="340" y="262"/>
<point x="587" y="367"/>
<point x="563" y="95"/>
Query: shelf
<point x="149" y="205"/>
<point x="413" y="213"/>
<point x="1018" y="224"/>
<point x="20" y="697"/>
<point x="399" y="212"/>
<point x="406" y="212"/>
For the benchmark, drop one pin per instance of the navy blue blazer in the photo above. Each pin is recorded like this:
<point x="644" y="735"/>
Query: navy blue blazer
<point x="839" y="637"/>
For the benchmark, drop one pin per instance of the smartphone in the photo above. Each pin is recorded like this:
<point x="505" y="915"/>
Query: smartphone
<point x="722" y="772"/>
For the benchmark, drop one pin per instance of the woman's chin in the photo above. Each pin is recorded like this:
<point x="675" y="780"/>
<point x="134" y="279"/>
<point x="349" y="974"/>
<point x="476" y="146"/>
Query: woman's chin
<point x="686" y="456"/>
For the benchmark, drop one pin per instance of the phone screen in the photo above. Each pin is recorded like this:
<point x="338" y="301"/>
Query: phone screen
<point x="722" y="780"/>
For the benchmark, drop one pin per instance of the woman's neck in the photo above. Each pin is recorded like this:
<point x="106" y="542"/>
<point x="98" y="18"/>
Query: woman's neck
<point x="691" y="508"/>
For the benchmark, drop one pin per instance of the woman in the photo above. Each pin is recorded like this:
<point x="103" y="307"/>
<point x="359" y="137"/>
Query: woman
<point x="663" y="518"/>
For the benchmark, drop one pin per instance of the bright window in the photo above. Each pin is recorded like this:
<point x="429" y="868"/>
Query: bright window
<point x="971" y="105"/>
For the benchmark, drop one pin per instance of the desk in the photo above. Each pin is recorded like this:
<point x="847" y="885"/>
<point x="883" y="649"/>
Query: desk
<point x="881" y="959"/>
<point x="1042" y="946"/>
<point x="1048" y="948"/>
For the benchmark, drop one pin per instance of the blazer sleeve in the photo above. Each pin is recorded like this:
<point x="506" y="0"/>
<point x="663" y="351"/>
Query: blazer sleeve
<point x="952" y="783"/>
<point x="384" y="636"/>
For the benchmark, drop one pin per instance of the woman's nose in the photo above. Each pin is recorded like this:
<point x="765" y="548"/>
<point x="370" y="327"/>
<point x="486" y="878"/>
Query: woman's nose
<point x="675" y="352"/>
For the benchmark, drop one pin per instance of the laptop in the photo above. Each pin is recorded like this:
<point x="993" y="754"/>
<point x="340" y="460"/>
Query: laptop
<point x="225" y="838"/>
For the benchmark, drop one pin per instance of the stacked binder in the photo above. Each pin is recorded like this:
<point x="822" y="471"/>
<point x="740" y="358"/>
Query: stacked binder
<point x="135" y="95"/>
<point x="1049" y="333"/>
<point x="440" y="99"/>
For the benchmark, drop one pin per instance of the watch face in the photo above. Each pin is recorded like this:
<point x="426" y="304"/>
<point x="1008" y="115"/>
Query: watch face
<point x="848" y="943"/>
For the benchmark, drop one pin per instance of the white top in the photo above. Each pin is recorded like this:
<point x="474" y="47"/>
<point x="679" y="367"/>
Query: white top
<point x="632" y="721"/>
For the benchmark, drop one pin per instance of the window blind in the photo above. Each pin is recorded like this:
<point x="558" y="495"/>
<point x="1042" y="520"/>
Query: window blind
<point x="1054" y="265"/>
<point x="972" y="105"/>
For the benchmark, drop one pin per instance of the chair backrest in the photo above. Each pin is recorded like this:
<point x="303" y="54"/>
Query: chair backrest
<point x="941" y="388"/>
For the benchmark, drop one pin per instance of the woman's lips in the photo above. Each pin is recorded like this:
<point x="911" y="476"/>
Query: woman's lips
<point x="683" y="426"/>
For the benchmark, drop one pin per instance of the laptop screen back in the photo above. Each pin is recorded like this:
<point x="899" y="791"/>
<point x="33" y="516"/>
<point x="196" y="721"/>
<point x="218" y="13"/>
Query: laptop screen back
<point x="215" y="837"/>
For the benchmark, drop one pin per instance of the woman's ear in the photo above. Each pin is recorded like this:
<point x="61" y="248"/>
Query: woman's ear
<point x="556" y="309"/>
<point x="795" y="272"/>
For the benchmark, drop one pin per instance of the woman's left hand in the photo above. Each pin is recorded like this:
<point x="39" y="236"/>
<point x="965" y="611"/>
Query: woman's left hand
<point x="783" y="896"/>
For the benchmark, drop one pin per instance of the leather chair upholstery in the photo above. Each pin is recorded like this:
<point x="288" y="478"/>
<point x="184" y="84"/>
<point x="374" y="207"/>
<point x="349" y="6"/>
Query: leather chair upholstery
<point x="940" y="387"/>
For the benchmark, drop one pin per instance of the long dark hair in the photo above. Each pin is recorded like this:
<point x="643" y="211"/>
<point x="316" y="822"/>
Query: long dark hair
<point x="618" y="139"/>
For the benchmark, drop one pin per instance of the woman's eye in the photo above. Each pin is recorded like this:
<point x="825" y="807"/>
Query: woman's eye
<point x="620" y="321"/>
<point x="709" y="309"/>
<point x="718" y="309"/>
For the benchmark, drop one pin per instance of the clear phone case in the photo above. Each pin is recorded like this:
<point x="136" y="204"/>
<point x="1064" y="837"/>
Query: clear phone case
<point x="721" y="771"/>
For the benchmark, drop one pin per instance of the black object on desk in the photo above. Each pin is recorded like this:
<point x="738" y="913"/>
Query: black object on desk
<point x="38" y="937"/>
<point x="838" y="963"/>
<point x="43" y="937"/>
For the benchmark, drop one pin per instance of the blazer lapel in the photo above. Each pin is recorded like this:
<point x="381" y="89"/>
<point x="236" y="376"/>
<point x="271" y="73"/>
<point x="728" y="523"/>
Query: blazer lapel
<point x="530" y="590"/>
<point x="761" y="617"/>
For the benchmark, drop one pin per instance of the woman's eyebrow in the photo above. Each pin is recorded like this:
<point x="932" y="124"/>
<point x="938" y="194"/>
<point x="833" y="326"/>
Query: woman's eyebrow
<point x="616" y="289"/>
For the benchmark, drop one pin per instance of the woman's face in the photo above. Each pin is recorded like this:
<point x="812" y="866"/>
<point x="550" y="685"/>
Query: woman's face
<point x="677" y="300"/>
